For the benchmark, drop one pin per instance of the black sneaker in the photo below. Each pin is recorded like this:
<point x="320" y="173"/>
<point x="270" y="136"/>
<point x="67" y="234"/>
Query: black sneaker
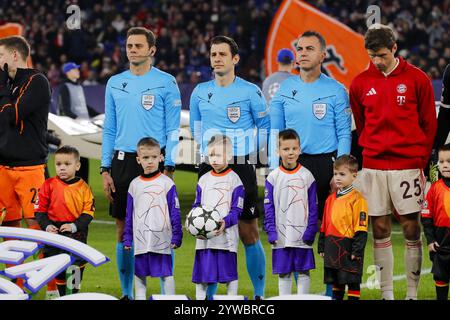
<point x="126" y="298"/>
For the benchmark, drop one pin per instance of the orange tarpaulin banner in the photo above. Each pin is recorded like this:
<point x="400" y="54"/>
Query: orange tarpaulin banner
<point x="13" y="29"/>
<point x="346" y="55"/>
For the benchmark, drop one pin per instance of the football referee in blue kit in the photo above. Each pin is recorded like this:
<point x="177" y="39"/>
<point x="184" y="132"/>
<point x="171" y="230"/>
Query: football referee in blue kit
<point x="232" y="106"/>
<point x="318" y="108"/>
<point x="140" y="102"/>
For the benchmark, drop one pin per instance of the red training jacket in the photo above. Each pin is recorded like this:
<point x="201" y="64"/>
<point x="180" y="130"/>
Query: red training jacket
<point x="395" y="117"/>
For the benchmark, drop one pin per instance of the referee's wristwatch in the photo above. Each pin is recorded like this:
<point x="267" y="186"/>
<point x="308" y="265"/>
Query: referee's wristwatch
<point x="169" y="168"/>
<point x="105" y="169"/>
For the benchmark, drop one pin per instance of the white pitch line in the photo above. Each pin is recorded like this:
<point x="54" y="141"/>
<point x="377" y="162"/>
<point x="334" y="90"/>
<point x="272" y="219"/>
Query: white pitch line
<point x="260" y="229"/>
<point x="402" y="277"/>
<point x="103" y="222"/>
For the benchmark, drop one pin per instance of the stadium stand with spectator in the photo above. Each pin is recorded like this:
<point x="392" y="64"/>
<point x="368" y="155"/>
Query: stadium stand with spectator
<point x="184" y="28"/>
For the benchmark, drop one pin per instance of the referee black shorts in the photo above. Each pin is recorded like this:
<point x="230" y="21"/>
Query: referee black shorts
<point x="124" y="169"/>
<point x="321" y="167"/>
<point x="247" y="174"/>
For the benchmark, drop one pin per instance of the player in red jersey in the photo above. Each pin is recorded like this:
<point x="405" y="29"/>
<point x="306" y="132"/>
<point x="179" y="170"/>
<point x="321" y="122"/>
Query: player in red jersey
<point x="393" y="106"/>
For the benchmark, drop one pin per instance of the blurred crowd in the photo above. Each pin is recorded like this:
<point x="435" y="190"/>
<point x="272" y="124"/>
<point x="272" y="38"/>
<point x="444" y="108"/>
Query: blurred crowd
<point x="184" y="28"/>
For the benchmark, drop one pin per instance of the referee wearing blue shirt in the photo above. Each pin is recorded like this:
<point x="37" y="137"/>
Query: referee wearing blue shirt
<point x="140" y="102"/>
<point x="234" y="107"/>
<point x="318" y="108"/>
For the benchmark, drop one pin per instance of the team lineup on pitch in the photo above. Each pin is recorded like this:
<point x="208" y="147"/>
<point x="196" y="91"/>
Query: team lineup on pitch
<point x="100" y="279"/>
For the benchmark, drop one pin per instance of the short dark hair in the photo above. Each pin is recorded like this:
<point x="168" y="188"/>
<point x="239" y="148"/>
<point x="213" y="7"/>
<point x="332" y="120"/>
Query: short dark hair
<point x="148" y="142"/>
<point x="348" y="161"/>
<point x="312" y="33"/>
<point x="151" y="39"/>
<point x="288" y="134"/>
<point x="224" y="39"/>
<point x="379" y="36"/>
<point x="17" y="43"/>
<point x="445" y="147"/>
<point x="69" y="150"/>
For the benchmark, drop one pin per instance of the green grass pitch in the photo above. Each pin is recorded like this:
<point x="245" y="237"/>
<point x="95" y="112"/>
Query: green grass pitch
<point x="104" y="279"/>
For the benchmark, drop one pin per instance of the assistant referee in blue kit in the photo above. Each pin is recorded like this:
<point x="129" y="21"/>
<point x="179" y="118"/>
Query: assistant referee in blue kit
<point x="140" y="102"/>
<point x="318" y="108"/>
<point x="234" y="107"/>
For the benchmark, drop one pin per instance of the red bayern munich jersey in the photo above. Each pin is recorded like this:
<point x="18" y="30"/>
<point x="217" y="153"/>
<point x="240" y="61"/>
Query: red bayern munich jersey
<point x="395" y="117"/>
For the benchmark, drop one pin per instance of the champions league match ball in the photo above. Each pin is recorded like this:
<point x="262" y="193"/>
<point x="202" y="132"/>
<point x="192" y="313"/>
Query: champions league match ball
<point x="203" y="222"/>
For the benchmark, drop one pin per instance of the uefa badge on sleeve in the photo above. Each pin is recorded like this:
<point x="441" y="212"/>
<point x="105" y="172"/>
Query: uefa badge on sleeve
<point x="319" y="110"/>
<point x="362" y="219"/>
<point x="148" y="101"/>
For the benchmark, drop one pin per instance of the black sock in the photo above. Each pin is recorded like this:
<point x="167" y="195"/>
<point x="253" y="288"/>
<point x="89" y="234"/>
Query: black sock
<point x="441" y="290"/>
<point x="354" y="291"/>
<point x="61" y="283"/>
<point x="338" y="292"/>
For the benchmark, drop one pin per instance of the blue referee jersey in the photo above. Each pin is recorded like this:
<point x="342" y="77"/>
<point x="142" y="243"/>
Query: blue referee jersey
<point x="148" y="105"/>
<point x="234" y="110"/>
<point x="318" y="111"/>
